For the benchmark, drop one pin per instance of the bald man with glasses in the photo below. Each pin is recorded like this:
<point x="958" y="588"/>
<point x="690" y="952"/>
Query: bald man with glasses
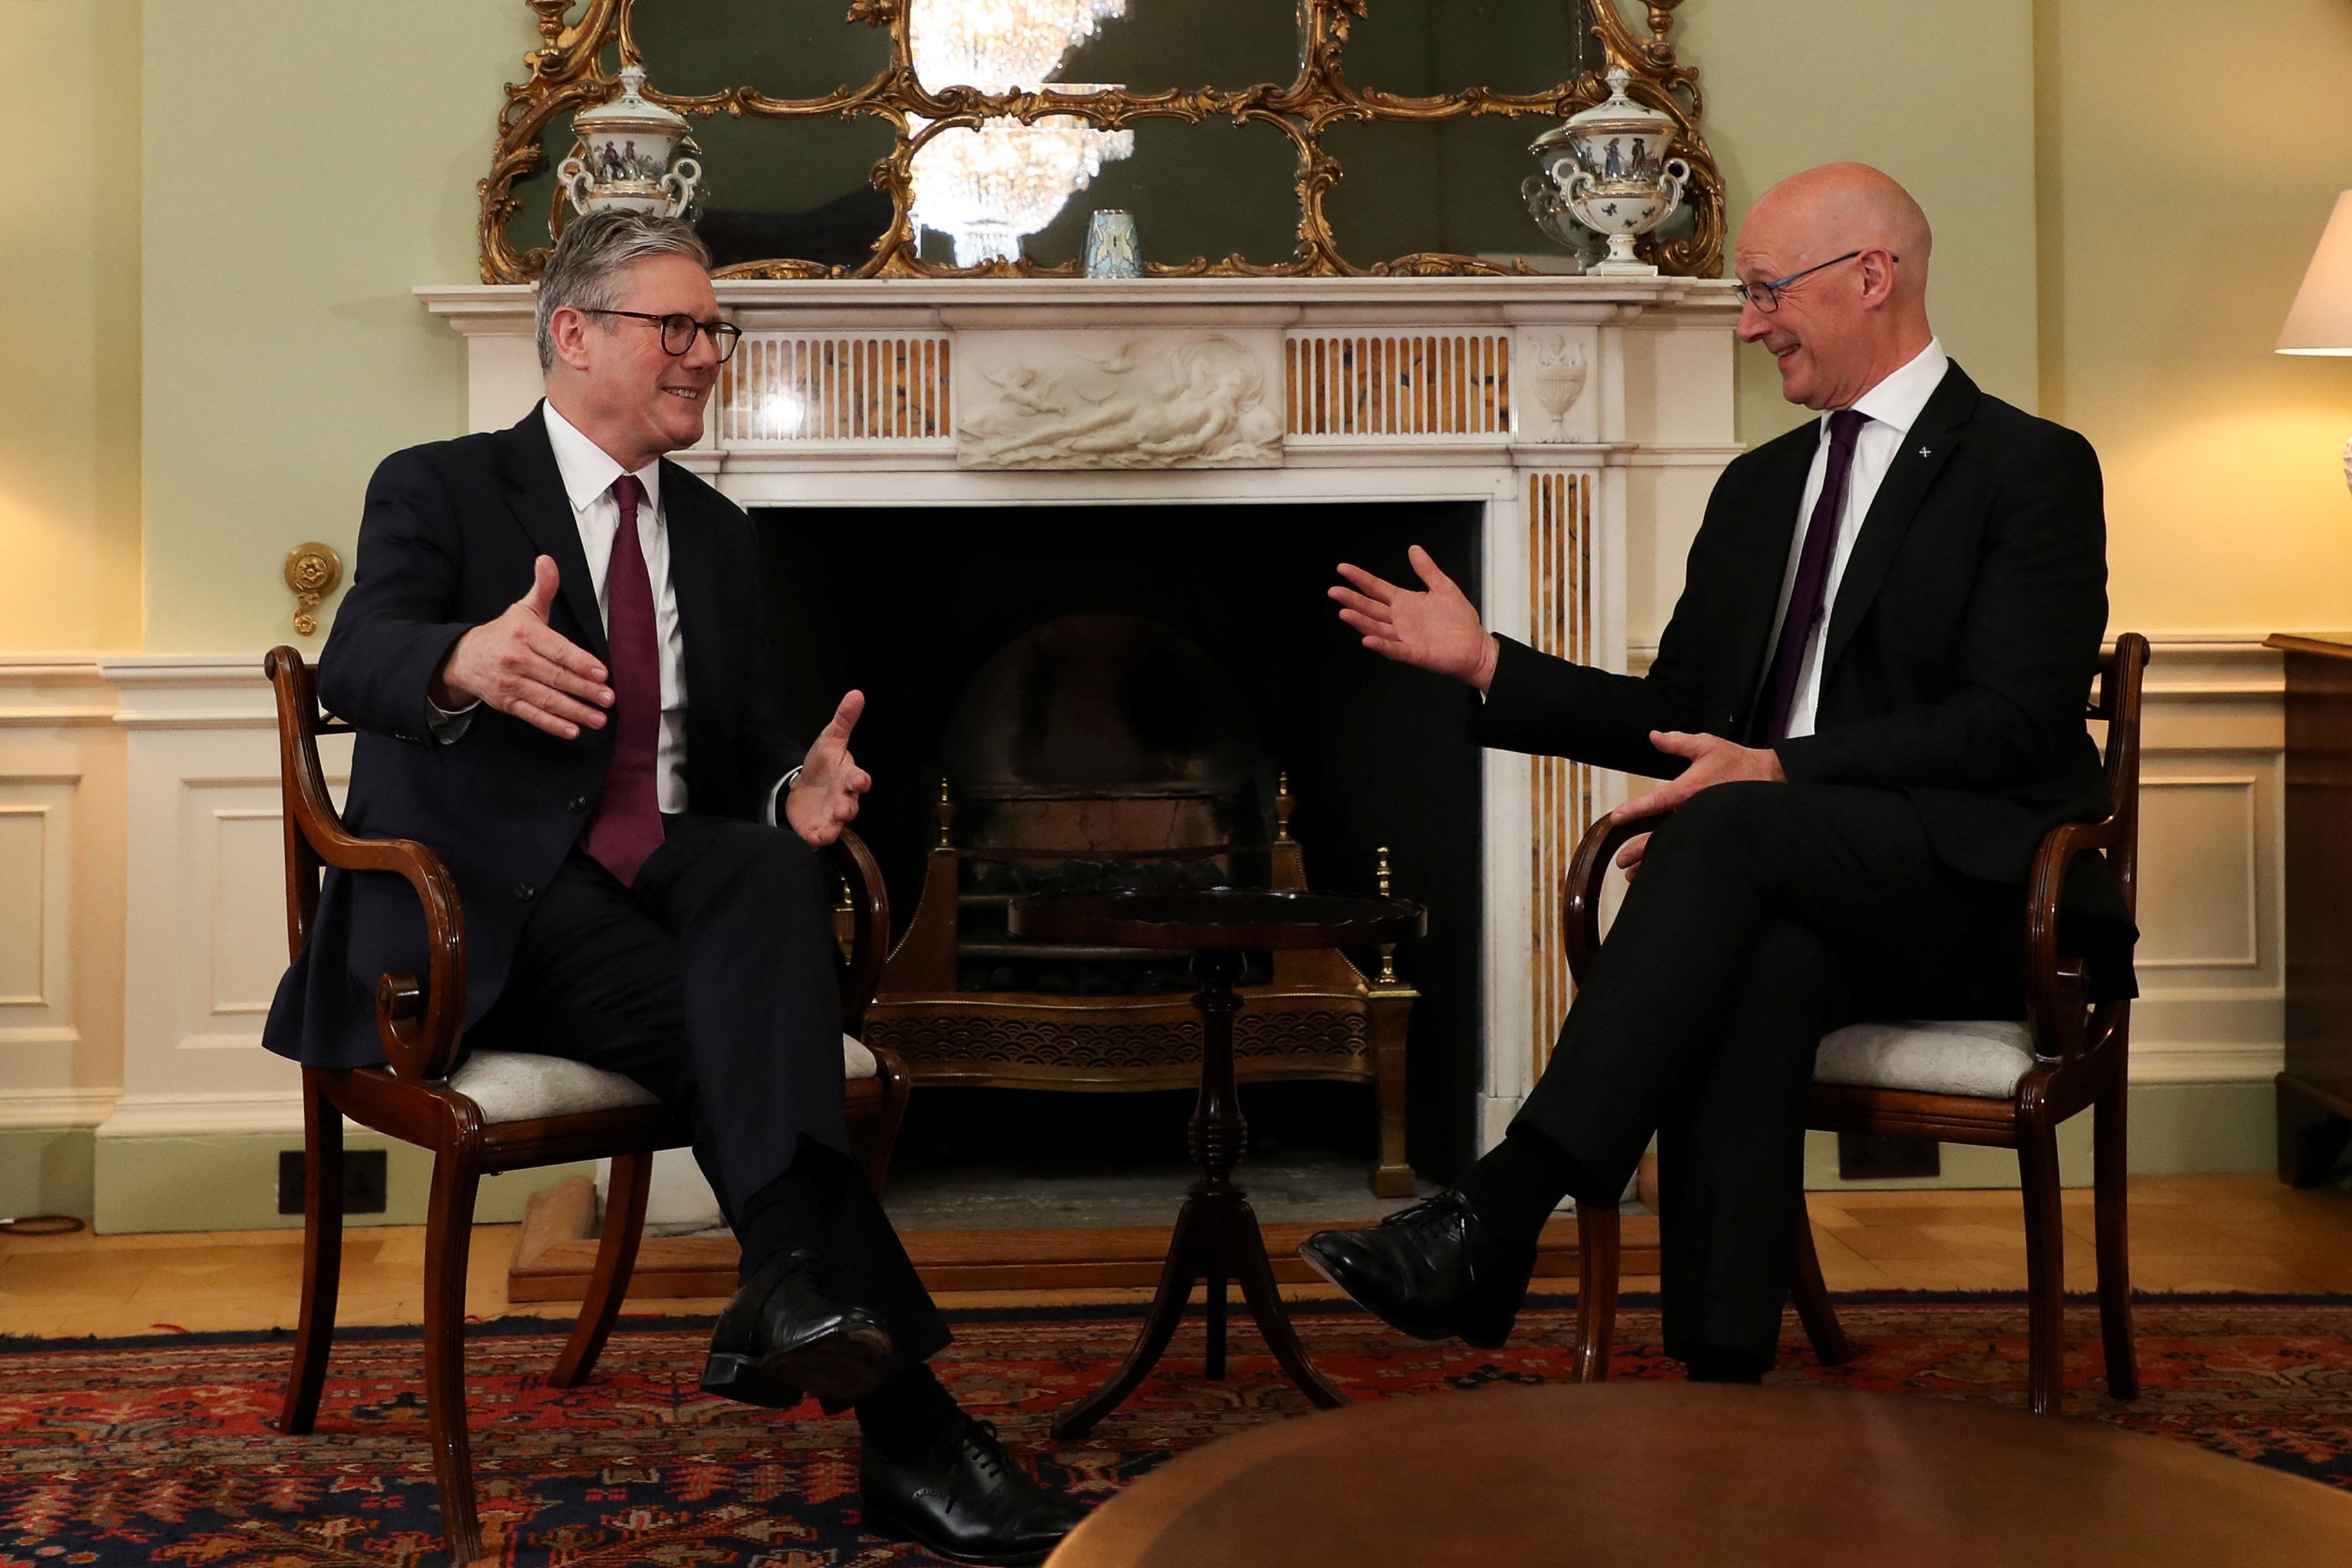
<point x="1869" y="707"/>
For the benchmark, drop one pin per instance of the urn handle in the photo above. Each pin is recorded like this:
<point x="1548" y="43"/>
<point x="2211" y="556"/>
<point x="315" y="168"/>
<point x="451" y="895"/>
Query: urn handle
<point x="680" y="185"/>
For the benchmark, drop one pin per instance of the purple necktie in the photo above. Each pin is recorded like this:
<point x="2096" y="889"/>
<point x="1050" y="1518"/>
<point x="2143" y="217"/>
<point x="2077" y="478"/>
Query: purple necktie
<point x="1809" y="598"/>
<point x="626" y="826"/>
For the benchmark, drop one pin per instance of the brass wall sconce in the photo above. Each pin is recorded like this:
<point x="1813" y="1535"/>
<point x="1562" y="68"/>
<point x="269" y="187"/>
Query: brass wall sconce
<point x="312" y="571"/>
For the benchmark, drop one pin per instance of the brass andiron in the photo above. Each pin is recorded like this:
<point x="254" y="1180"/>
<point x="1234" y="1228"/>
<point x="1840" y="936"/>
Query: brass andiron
<point x="312" y="571"/>
<point x="1388" y="976"/>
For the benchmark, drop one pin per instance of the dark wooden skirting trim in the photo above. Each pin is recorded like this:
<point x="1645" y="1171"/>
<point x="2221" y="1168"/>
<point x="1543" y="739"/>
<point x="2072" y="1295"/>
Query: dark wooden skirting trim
<point x="557" y="1250"/>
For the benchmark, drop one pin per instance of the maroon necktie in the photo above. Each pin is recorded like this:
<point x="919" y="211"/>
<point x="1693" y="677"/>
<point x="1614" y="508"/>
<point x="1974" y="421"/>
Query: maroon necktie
<point x="626" y="826"/>
<point x="1809" y="596"/>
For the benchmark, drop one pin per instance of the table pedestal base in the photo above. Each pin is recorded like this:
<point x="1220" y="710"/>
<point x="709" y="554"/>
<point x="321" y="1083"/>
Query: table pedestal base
<point x="1216" y="1239"/>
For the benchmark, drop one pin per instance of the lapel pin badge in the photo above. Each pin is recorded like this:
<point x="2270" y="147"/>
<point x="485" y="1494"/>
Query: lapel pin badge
<point x="1925" y="453"/>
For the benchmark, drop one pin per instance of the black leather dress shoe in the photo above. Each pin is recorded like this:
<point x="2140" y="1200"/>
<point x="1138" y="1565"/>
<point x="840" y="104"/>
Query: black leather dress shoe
<point x="965" y="1500"/>
<point x="785" y="1335"/>
<point x="1432" y="1271"/>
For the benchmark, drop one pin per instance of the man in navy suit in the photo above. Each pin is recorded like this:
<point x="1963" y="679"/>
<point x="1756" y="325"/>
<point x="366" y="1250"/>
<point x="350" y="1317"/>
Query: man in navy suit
<point x="1870" y="703"/>
<point x="552" y="650"/>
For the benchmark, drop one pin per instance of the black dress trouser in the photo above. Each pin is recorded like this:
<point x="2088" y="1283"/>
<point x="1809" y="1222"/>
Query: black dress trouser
<point x="711" y="981"/>
<point x="1763" y="916"/>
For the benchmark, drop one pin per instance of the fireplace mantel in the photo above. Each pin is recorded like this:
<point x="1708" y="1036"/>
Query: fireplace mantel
<point x="1587" y="417"/>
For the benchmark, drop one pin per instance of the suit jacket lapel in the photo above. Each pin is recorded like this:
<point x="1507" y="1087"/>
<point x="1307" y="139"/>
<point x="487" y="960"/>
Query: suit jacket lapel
<point x="694" y="578"/>
<point x="1933" y="436"/>
<point x="535" y="495"/>
<point x="1780" y="490"/>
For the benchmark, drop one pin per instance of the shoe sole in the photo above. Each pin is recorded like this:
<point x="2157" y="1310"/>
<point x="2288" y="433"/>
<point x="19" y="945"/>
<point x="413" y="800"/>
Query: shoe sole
<point x="840" y="1369"/>
<point x="882" y="1523"/>
<point x="1480" y="1336"/>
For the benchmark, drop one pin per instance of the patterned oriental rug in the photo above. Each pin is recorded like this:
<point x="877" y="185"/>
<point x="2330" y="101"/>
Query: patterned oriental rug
<point x="161" y="1450"/>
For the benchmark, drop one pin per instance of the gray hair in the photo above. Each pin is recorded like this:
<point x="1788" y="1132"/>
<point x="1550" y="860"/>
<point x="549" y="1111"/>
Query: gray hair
<point x="596" y="250"/>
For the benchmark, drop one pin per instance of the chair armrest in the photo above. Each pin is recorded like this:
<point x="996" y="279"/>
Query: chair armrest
<point x="419" y="1025"/>
<point x="1579" y="891"/>
<point x="2056" y="985"/>
<point x="870" y="927"/>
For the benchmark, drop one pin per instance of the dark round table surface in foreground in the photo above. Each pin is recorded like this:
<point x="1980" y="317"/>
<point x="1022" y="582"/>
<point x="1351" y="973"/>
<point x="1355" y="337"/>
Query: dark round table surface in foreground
<point x="1216" y="919"/>
<point x="1678" y="1475"/>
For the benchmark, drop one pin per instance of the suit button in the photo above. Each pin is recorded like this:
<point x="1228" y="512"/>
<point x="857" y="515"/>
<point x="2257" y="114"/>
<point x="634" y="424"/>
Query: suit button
<point x="577" y="804"/>
<point x="524" y="892"/>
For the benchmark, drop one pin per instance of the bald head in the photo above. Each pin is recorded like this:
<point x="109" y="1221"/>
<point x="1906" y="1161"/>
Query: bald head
<point x="1839" y="332"/>
<point x="1840" y="207"/>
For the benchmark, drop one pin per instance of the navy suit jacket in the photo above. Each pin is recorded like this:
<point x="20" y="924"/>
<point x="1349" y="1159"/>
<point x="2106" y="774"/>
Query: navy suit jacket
<point x="447" y="542"/>
<point x="1961" y="646"/>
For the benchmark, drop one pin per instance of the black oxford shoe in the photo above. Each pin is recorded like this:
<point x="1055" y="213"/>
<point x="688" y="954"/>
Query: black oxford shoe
<point x="1432" y="1271"/>
<point x="784" y="1335"/>
<point x="965" y="1500"/>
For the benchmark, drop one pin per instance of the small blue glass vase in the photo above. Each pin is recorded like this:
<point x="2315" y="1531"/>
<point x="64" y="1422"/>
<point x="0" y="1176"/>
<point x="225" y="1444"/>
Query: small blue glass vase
<point x="1111" y="248"/>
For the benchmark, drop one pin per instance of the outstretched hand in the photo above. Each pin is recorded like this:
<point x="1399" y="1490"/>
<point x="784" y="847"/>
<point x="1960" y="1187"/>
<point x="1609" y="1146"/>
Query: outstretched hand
<point x="521" y="666"/>
<point x="824" y="799"/>
<point x="1434" y="629"/>
<point x="1713" y="760"/>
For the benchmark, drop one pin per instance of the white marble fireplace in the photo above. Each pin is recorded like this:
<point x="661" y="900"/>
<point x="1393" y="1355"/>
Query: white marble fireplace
<point x="1586" y="418"/>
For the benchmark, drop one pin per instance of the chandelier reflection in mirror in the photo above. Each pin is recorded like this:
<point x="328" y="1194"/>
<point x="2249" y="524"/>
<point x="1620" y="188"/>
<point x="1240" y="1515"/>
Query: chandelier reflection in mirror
<point x="1031" y="142"/>
<point x="988" y="187"/>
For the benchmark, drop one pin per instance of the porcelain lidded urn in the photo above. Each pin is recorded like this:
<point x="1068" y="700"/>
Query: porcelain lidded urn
<point x="624" y="155"/>
<point x="1609" y="166"/>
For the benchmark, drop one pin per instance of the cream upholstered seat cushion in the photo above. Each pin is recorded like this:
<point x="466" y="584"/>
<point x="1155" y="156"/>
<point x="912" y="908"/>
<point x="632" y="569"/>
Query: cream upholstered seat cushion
<point x="1983" y="1057"/>
<point x="518" y="1086"/>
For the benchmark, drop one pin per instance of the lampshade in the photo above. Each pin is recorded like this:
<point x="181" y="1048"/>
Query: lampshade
<point x="2321" y="321"/>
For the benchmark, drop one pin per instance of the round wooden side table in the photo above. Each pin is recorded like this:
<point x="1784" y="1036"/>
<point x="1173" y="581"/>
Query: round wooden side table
<point x="1671" y="1474"/>
<point x="1216" y="1236"/>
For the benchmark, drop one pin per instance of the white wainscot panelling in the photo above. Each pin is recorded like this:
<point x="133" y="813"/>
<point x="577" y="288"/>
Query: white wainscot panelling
<point x="2211" y="954"/>
<point x="2200" y="864"/>
<point x="206" y="922"/>
<point x="37" y="910"/>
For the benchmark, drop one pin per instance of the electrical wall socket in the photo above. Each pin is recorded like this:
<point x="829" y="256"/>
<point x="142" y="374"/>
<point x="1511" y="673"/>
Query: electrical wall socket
<point x="364" y="1181"/>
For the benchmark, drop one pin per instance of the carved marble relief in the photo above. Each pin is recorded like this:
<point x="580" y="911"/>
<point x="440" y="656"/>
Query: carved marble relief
<point x="1110" y="399"/>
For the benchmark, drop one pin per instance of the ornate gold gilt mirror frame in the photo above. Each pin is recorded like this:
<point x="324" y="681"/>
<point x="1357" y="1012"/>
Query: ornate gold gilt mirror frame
<point x="570" y="72"/>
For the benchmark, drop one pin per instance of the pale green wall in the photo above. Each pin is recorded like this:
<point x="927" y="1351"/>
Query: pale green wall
<point x="2172" y="245"/>
<point x="69" y="332"/>
<point x="307" y="163"/>
<point x="1939" y="95"/>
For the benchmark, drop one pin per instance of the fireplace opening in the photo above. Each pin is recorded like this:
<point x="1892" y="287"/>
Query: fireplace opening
<point x="1143" y="696"/>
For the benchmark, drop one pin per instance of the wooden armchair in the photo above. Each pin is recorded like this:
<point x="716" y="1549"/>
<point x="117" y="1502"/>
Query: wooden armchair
<point x="1999" y="1083"/>
<point x="492" y="1111"/>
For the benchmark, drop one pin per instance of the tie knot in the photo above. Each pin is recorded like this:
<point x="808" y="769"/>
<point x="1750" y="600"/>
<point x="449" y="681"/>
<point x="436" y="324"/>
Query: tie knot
<point x="629" y="491"/>
<point x="1845" y="424"/>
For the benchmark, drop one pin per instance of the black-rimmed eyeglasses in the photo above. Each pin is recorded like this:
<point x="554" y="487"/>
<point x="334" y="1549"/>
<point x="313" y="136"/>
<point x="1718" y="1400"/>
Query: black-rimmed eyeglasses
<point x="678" y="330"/>
<point x="1766" y="296"/>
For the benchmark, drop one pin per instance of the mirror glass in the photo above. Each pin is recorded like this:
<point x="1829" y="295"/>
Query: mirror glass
<point x="802" y="189"/>
<point x="1417" y="47"/>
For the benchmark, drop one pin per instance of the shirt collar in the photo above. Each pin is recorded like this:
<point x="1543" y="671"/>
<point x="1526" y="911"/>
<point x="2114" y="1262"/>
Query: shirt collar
<point x="588" y="469"/>
<point x="1897" y="400"/>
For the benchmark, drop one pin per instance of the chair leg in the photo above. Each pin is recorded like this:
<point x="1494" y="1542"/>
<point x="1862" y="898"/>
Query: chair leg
<point x="322" y="1255"/>
<point x="616" y="1258"/>
<point x="2045" y="1266"/>
<point x="1814" y="1309"/>
<point x="2110" y="1170"/>
<point x="1596" y="1292"/>
<point x="448" y="1235"/>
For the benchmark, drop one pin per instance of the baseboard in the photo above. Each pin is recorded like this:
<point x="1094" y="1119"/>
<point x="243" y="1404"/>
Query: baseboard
<point x="2176" y="1129"/>
<point x="47" y="1170"/>
<point x="229" y="1182"/>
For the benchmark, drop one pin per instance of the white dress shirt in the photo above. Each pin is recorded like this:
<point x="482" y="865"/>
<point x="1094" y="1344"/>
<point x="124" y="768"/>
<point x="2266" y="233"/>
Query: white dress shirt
<point x="588" y="474"/>
<point x="1890" y="408"/>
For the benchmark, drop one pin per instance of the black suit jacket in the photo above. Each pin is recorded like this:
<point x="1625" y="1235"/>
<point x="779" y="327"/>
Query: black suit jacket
<point x="446" y="542"/>
<point x="1961" y="647"/>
